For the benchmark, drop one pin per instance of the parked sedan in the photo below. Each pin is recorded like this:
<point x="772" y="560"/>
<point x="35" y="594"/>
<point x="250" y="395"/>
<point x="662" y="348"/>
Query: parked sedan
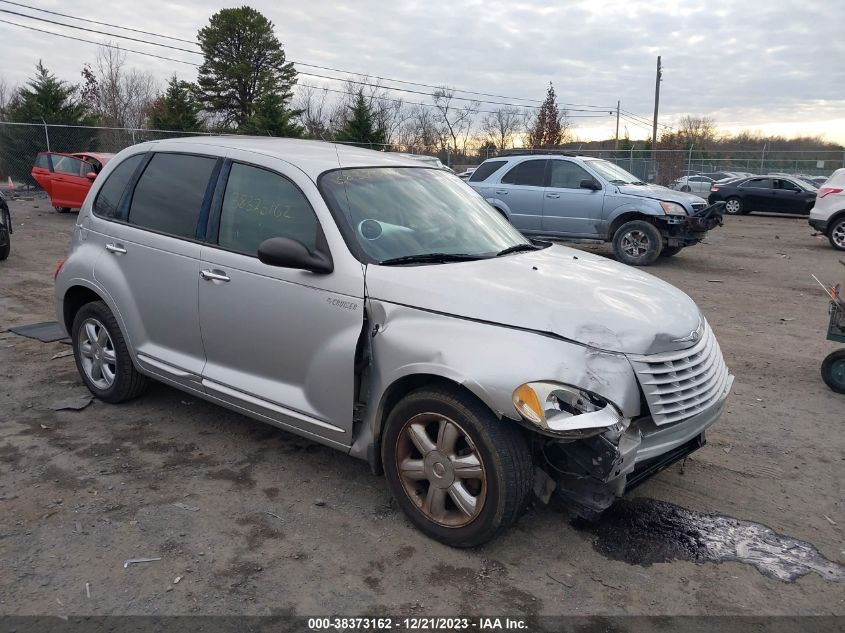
<point x="67" y="177"/>
<point x="694" y="184"/>
<point x="764" y="193"/>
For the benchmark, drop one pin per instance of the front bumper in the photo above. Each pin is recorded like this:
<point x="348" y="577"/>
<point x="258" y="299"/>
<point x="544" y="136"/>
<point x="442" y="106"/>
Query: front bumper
<point x="685" y="231"/>
<point x="590" y="474"/>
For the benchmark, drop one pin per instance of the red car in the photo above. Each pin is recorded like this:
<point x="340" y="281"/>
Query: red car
<point x="67" y="177"/>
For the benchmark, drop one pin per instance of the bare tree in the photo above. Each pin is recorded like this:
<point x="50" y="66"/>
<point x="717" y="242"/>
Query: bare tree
<point x="456" y="120"/>
<point x="120" y="96"/>
<point x="698" y="130"/>
<point x="419" y="131"/>
<point x="501" y="126"/>
<point x="315" y="117"/>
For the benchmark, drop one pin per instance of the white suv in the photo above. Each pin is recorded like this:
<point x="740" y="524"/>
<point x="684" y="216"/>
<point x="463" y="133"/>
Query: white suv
<point x="828" y="214"/>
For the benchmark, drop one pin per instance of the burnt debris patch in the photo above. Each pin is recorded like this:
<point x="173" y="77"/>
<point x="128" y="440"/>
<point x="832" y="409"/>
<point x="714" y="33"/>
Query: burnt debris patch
<point x="647" y="531"/>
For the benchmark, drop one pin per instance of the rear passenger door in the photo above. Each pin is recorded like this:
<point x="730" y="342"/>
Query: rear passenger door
<point x="567" y="207"/>
<point x="758" y="194"/>
<point x="280" y="343"/>
<point x="521" y="189"/>
<point x="150" y="264"/>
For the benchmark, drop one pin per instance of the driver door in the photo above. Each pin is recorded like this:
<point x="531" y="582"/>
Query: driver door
<point x="279" y="343"/>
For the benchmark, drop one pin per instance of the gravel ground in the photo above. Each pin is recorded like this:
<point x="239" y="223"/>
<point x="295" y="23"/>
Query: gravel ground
<point x="254" y="520"/>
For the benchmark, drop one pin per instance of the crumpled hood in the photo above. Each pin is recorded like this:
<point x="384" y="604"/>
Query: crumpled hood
<point x="660" y="193"/>
<point x="558" y="290"/>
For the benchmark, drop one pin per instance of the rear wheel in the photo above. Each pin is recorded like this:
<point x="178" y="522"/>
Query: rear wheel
<point x="5" y="244"/>
<point x="62" y="209"/>
<point x="833" y="371"/>
<point x="637" y="243"/>
<point x="460" y="474"/>
<point x="102" y="356"/>
<point x="836" y="234"/>
<point x="734" y="206"/>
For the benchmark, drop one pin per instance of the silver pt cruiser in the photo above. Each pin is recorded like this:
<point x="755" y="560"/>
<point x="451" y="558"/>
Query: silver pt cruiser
<point x="383" y="308"/>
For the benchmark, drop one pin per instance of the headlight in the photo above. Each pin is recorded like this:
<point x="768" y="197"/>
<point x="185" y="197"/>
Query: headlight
<point x="565" y="410"/>
<point x="672" y="208"/>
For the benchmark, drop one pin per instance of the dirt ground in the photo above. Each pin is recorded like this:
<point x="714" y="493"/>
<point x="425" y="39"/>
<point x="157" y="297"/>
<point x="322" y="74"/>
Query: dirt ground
<point x="274" y="524"/>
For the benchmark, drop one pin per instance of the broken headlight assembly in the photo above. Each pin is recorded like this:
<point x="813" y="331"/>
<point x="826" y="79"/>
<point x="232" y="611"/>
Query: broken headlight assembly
<point x="672" y="208"/>
<point x="565" y="411"/>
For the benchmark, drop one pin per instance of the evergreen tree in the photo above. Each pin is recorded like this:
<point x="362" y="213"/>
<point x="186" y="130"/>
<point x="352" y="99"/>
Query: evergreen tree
<point x="272" y="118"/>
<point x="46" y="98"/>
<point x="244" y="64"/>
<point x="176" y="109"/>
<point x="547" y="130"/>
<point x="43" y="99"/>
<point x="360" y="128"/>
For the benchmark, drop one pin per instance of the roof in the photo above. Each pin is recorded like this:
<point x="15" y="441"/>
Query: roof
<point x="312" y="157"/>
<point x="103" y="157"/>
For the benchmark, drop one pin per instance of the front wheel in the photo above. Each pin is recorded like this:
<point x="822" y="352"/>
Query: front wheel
<point x="102" y="356"/>
<point x="686" y="189"/>
<point x="460" y="474"/>
<point x="637" y="243"/>
<point x="833" y="371"/>
<point x="836" y="234"/>
<point x="5" y="244"/>
<point x="733" y="206"/>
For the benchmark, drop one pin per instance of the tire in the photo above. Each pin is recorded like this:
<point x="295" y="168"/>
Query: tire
<point x="116" y="381"/>
<point x="429" y="431"/>
<point x="6" y="241"/>
<point x="686" y="188"/>
<point x="833" y="371"/>
<point x="734" y="206"/>
<point x="62" y="209"/>
<point x="671" y="251"/>
<point x="637" y="243"/>
<point x="836" y="233"/>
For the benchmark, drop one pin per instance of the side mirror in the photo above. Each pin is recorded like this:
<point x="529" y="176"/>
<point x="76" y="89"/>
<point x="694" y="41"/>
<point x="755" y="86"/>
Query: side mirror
<point x="90" y="175"/>
<point x="287" y="253"/>
<point x="589" y="183"/>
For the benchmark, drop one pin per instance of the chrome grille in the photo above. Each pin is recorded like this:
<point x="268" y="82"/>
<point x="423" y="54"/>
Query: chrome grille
<point x="678" y="385"/>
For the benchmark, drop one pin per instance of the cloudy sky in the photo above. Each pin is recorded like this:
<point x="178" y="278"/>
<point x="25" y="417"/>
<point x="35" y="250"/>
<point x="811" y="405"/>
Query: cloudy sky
<point x="773" y="66"/>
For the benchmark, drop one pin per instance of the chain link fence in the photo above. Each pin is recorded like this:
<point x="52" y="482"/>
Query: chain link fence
<point x="21" y="142"/>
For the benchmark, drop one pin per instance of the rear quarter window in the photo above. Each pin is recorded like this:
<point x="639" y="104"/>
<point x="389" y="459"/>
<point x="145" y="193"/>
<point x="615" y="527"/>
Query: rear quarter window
<point x="42" y="161"/>
<point x="110" y="194"/>
<point x="486" y="170"/>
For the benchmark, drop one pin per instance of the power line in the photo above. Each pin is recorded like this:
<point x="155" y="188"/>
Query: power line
<point x="182" y="61"/>
<point x="570" y="106"/>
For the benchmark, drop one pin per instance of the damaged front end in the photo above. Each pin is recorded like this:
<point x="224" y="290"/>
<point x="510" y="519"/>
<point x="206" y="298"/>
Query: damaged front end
<point x="591" y="453"/>
<point x="686" y="230"/>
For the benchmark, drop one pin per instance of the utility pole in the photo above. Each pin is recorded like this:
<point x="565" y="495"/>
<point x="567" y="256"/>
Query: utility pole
<point x="656" y="103"/>
<point x="617" y="126"/>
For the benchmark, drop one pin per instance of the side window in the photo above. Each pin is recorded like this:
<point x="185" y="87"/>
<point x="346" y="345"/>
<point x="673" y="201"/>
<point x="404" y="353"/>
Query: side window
<point x="108" y="198"/>
<point x="259" y="204"/>
<point x="529" y="173"/>
<point x="759" y="183"/>
<point x="567" y="175"/>
<point x="486" y="170"/>
<point x="42" y="161"/>
<point x="787" y="186"/>
<point x="169" y="195"/>
<point x="67" y="165"/>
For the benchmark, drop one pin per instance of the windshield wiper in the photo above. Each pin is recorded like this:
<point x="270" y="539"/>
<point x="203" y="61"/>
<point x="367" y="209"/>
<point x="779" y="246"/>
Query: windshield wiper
<point x="430" y="258"/>
<point x="517" y="248"/>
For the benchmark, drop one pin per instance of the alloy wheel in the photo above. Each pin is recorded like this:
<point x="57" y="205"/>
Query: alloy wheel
<point x="837" y="234"/>
<point x="441" y="470"/>
<point x="635" y="243"/>
<point x="733" y="206"/>
<point x="97" y="354"/>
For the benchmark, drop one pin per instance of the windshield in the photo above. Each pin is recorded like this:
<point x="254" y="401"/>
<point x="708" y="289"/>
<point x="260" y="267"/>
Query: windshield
<point x="399" y="212"/>
<point x="613" y="173"/>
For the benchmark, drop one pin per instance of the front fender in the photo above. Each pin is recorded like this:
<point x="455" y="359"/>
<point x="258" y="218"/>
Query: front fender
<point x="489" y="360"/>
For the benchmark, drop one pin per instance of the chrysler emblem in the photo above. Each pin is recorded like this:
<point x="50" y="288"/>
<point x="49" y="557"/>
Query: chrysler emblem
<point x="692" y="337"/>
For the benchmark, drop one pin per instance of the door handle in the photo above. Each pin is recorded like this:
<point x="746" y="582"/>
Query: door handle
<point x="553" y="195"/>
<point x="214" y="275"/>
<point x="501" y="192"/>
<point x="116" y="248"/>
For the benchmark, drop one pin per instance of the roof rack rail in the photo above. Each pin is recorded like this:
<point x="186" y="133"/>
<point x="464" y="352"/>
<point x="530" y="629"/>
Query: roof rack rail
<point x="527" y="152"/>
